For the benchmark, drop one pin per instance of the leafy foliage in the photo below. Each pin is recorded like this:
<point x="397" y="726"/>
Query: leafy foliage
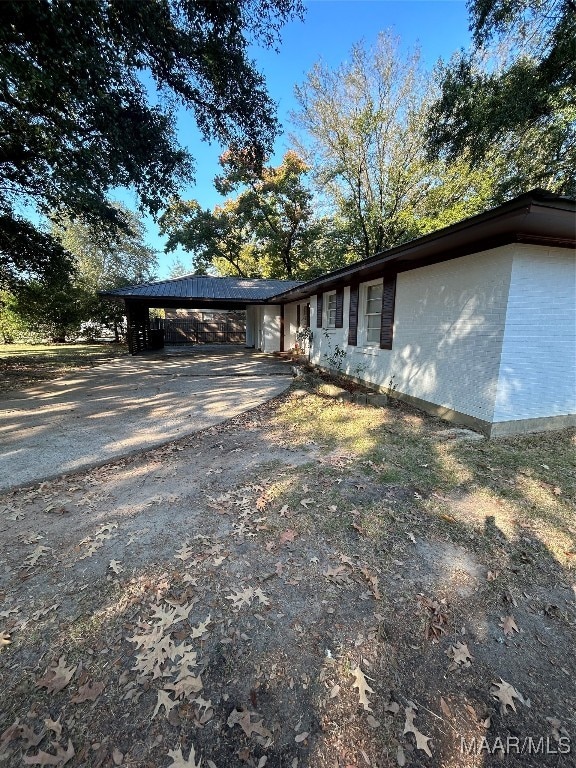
<point x="12" y="326"/>
<point x="104" y="260"/>
<point x="522" y="102"/>
<point x="365" y="125"/>
<point x="268" y="230"/>
<point x="53" y="308"/>
<point x="77" y="118"/>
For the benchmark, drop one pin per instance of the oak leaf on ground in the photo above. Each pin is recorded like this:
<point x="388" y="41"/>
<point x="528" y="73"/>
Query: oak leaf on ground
<point x="180" y="761"/>
<point x="88" y="692"/>
<point x="56" y="678"/>
<point x="165" y="701"/>
<point x="509" y="625"/>
<point x="506" y="693"/>
<point x="409" y="727"/>
<point x="363" y="688"/>
<point x="460" y="654"/>
<point x="243" y="718"/>
<point x="61" y="757"/>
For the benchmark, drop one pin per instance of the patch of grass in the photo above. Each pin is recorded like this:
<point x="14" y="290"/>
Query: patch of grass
<point x="522" y="487"/>
<point x="24" y="364"/>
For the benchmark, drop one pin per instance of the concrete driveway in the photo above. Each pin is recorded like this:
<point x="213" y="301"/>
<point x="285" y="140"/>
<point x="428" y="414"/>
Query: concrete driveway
<point x="127" y="405"/>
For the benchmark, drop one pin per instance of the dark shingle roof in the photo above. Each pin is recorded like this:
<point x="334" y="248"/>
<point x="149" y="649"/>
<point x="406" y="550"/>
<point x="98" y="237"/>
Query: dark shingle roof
<point x="238" y="289"/>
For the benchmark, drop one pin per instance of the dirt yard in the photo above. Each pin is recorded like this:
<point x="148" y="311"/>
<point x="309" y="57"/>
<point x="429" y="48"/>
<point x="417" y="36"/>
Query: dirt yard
<point x="311" y="584"/>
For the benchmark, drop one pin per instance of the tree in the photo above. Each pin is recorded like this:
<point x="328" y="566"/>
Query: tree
<point x="268" y="230"/>
<point x="78" y="119"/>
<point x="214" y="238"/>
<point x="277" y="207"/>
<point x="103" y="261"/>
<point x="366" y="125"/>
<point x="54" y="308"/>
<point x="177" y="269"/>
<point x="515" y="90"/>
<point x="12" y="325"/>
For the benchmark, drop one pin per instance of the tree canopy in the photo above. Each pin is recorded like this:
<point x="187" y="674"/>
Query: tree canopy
<point x="267" y="230"/>
<point x="365" y="128"/>
<point x="516" y="89"/>
<point x="88" y="96"/>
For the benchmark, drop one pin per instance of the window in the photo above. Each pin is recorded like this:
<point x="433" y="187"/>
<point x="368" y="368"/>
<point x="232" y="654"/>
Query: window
<point x="331" y="304"/>
<point x="373" y="313"/>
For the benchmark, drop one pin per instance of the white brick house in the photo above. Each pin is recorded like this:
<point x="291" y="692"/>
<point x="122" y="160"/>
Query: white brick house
<point x="476" y="322"/>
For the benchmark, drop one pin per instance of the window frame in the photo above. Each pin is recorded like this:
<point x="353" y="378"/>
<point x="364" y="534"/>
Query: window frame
<point x="364" y="314"/>
<point x="328" y="295"/>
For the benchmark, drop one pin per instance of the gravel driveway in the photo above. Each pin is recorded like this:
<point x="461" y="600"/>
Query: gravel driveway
<point x="127" y="405"/>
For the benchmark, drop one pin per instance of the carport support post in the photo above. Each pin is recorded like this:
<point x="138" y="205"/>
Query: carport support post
<point x="138" y="331"/>
<point x="281" y="327"/>
<point x="129" y="328"/>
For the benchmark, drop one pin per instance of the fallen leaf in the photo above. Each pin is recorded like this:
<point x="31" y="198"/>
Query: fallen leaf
<point x="88" y="692"/>
<point x="180" y="762"/>
<point x="116" y="566"/>
<point x="409" y="727"/>
<point x="505" y="693"/>
<point x="165" y="701"/>
<point x="32" y="739"/>
<point x="372" y="722"/>
<point x="184" y="553"/>
<point x="372" y="580"/>
<point x="185" y="686"/>
<point x="201" y="629"/>
<point x="460" y="654"/>
<point x="34" y="556"/>
<point x="301" y="737"/>
<point x="56" y="678"/>
<point x="54" y="725"/>
<point x="363" y="688"/>
<point x="445" y="708"/>
<point x="287" y="536"/>
<point x="241" y="597"/>
<point x="4" y="639"/>
<point x="400" y="757"/>
<point x="509" y="625"/>
<point x="117" y="757"/>
<point x="45" y="758"/>
<point x="306" y="502"/>
<point x="339" y="575"/>
<point x="243" y="718"/>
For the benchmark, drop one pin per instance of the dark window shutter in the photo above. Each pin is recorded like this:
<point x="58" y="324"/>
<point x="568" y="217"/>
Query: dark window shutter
<point x="307" y="315"/>
<point x="353" y="316"/>
<point x="339" y="322"/>
<point x="319" y="309"/>
<point x="297" y="315"/>
<point x="387" y="323"/>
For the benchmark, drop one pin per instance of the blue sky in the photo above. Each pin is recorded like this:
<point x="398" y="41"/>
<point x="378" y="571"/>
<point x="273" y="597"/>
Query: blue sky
<point x="329" y="30"/>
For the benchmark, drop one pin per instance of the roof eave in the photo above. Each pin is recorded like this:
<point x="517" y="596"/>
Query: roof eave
<point x="534" y="218"/>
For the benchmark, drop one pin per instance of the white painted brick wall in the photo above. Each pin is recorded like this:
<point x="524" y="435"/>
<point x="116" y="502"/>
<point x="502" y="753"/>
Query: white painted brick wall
<point x="538" y="363"/>
<point x="271" y="328"/>
<point x="448" y="331"/>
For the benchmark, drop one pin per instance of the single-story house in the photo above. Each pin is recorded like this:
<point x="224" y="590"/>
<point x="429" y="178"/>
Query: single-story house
<point x="475" y="322"/>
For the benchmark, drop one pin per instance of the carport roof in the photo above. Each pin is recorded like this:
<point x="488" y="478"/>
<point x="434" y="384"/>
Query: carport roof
<point x="205" y="288"/>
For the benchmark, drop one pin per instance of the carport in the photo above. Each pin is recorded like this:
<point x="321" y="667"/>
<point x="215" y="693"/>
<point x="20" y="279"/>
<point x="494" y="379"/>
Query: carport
<point x="264" y="318"/>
